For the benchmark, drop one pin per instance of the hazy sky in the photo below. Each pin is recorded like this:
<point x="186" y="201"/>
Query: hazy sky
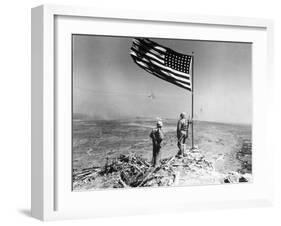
<point x="107" y="84"/>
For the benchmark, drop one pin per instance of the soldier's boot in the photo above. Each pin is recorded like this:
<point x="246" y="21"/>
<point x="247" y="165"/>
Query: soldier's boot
<point x="181" y="151"/>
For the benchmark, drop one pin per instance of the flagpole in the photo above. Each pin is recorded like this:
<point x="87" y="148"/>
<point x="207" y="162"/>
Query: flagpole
<point x="192" y="101"/>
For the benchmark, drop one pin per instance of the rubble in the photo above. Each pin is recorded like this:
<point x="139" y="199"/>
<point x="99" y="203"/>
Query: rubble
<point x="134" y="171"/>
<point x="245" y="157"/>
<point x="235" y="177"/>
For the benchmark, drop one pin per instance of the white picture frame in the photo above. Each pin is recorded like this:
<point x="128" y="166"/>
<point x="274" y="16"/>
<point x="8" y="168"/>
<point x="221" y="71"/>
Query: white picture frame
<point x="51" y="27"/>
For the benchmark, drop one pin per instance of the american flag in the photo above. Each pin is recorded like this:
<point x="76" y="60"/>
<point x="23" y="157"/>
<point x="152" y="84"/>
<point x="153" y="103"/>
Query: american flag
<point x="162" y="62"/>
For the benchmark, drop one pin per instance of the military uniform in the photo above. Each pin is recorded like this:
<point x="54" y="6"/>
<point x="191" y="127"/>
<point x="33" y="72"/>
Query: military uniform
<point x="182" y="134"/>
<point x="157" y="136"/>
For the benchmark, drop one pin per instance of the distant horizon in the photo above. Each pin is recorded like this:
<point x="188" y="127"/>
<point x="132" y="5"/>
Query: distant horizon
<point x="87" y="117"/>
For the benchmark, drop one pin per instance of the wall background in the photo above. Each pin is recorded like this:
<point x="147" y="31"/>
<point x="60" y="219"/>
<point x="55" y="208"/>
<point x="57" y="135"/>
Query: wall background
<point x="15" y="112"/>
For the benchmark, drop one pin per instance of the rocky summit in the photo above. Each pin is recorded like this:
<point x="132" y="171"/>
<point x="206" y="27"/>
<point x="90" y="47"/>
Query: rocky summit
<point x="132" y="170"/>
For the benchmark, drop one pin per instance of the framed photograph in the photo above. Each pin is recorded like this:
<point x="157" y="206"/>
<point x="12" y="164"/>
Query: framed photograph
<point x="136" y="113"/>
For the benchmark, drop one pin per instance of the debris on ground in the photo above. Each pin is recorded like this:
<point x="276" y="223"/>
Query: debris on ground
<point x="245" y="157"/>
<point x="134" y="171"/>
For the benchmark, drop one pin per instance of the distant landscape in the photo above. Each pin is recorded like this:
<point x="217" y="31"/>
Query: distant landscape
<point x="96" y="141"/>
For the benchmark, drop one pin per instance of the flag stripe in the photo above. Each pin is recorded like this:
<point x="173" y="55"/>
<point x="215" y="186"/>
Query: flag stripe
<point x="148" y="43"/>
<point x="143" y="50"/>
<point x="155" y="45"/>
<point x="142" y="53"/>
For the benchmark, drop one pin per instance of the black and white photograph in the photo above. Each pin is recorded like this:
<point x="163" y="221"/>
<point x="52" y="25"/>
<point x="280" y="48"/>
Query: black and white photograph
<point x="153" y="112"/>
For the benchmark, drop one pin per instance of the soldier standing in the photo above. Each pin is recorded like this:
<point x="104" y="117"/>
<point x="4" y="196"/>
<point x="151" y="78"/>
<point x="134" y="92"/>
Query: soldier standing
<point x="157" y="136"/>
<point x="182" y="132"/>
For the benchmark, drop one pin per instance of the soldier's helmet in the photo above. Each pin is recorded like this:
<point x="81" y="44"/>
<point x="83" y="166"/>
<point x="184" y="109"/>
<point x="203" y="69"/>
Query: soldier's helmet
<point x="159" y="124"/>
<point x="183" y="115"/>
